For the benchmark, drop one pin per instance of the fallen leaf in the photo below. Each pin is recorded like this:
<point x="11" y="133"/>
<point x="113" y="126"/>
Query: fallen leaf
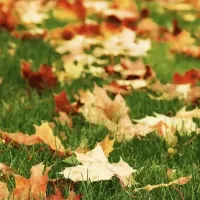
<point x="98" y="108"/>
<point x="107" y="145"/>
<point x="190" y="77"/>
<point x="45" y="133"/>
<point x="4" y="193"/>
<point x="21" y="138"/>
<point x="62" y="103"/>
<point x="35" y="187"/>
<point x="41" y="79"/>
<point x="96" y="168"/>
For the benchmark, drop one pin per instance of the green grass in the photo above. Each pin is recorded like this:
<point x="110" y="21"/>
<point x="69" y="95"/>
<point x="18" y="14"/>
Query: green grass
<point x="22" y="107"/>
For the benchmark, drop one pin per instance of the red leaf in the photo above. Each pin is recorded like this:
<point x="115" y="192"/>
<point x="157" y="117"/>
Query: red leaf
<point x="41" y="79"/>
<point x="190" y="77"/>
<point x="62" y="103"/>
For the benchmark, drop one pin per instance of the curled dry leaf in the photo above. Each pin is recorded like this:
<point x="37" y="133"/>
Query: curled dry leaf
<point x="95" y="167"/>
<point x="41" y="79"/>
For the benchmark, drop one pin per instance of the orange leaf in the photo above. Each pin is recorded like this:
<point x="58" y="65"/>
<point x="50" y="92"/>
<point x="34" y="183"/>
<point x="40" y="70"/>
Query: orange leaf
<point x="190" y="77"/>
<point x="21" y="138"/>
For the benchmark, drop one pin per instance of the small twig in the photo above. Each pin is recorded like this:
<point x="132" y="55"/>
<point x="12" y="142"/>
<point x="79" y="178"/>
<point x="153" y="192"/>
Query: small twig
<point x="180" y="193"/>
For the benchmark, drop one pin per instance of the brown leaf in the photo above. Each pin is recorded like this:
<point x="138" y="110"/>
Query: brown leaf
<point x="41" y="79"/>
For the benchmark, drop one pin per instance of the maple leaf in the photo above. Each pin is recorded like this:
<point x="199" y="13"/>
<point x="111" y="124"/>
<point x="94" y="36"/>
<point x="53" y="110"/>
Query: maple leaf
<point x="62" y="103"/>
<point x="21" y="138"/>
<point x="43" y="134"/>
<point x="96" y="168"/>
<point x="41" y="79"/>
<point x="166" y="127"/>
<point x="35" y="187"/>
<point x="98" y="108"/>
<point x="190" y="77"/>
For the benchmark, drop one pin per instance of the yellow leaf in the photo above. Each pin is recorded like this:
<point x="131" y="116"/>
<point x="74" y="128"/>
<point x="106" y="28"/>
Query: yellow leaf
<point x="107" y="145"/>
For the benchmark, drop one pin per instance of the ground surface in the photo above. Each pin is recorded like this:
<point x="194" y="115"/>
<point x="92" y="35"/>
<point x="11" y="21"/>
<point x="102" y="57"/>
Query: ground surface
<point x="21" y="108"/>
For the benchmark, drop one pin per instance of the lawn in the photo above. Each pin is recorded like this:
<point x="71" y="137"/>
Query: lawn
<point x="22" y="107"/>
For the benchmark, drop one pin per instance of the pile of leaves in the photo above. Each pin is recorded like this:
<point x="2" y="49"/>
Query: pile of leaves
<point x="101" y="51"/>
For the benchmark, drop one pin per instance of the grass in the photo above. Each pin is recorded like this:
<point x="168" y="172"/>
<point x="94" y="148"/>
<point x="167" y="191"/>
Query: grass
<point x="22" y="107"/>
